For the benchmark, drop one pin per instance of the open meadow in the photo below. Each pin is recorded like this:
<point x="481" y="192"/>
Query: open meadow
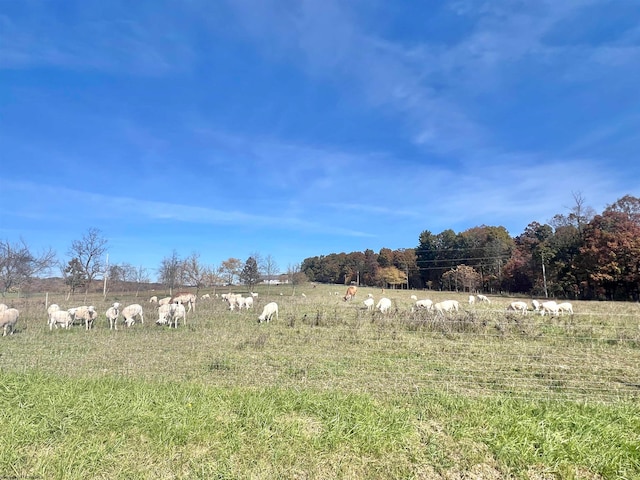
<point x="328" y="390"/>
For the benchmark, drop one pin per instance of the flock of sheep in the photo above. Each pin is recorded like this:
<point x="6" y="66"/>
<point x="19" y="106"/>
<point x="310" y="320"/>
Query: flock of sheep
<point x="173" y="310"/>
<point x="87" y="315"/>
<point x="550" y="307"/>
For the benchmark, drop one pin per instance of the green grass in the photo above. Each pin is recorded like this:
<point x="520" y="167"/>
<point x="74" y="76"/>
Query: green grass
<point x="328" y="391"/>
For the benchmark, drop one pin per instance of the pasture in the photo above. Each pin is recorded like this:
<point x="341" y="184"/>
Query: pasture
<point x="330" y="390"/>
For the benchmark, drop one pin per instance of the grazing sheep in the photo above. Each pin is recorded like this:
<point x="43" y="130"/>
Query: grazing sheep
<point x="240" y="302"/>
<point x="112" y="313"/>
<point x="565" y="307"/>
<point x="248" y="302"/>
<point x="178" y="312"/>
<point x="446" y="306"/>
<point x="414" y="298"/>
<point x="234" y="300"/>
<point x="164" y="301"/>
<point x="163" y="314"/>
<point x="550" y="307"/>
<point x="383" y="305"/>
<point x="351" y="292"/>
<point x="8" y="320"/>
<point x="483" y="299"/>
<point x="60" y="317"/>
<point x="185" y="298"/>
<point x="369" y="303"/>
<point x="254" y="295"/>
<point x="268" y="311"/>
<point x="518" y="307"/>
<point x="131" y="312"/>
<point x="170" y="314"/>
<point x="153" y="299"/>
<point x="426" y="303"/>
<point x="472" y="299"/>
<point x="205" y="296"/>
<point x="536" y="305"/>
<point x="84" y="314"/>
<point x="52" y="308"/>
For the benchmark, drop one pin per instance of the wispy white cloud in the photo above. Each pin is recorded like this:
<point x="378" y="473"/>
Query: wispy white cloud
<point x="434" y="88"/>
<point x="107" y="207"/>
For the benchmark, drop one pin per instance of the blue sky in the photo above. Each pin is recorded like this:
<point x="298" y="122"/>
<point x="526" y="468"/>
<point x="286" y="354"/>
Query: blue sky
<point x="302" y="128"/>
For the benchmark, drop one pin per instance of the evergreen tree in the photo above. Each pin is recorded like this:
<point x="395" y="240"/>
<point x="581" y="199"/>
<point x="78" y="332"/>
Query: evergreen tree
<point x="250" y="274"/>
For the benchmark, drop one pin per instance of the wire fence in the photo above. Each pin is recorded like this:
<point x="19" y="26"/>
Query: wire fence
<point x="478" y="351"/>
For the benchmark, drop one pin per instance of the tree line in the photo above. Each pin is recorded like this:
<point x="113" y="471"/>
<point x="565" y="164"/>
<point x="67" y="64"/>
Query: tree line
<point x="87" y="263"/>
<point x="580" y="255"/>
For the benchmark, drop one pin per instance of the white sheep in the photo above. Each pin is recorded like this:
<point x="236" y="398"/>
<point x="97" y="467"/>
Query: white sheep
<point x="164" y="301"/>
<point x="248" y="302"/>
<point x="254" y="295"/>
<point x="8" y="320"/>
<point x="565" y="307"/>
<point x="550" y="307"/>
<point x="472" y="299"/>
<point x="369" y="303"/>
<point x="518" y="307"/>
<point x="185" y="298"/>
<point x="3" y="307"/>
<point x="206" y="296"/>
<point x="535" y="304"/>
<point x="60" y="317"/>
<point x="446" y="306"/>
<point x="414" y="298"/>
<point x="153" y="299"/>
<point x="163" y="314"/>
<point x="54" y="307"/>
<point x="112" y="313"/>
<point x="370" y="295"/>
<point x="483" y="298"/>
<point x="131" y="312"/>
<point x="384" y="304"/>
<point x="170" y="314"/>
<point x="178" y="312"/>
<point x="268" y="311"/>
<point x="234" y="300"/>
<point x="426" y="303"/>
<point x="84" y="314"/>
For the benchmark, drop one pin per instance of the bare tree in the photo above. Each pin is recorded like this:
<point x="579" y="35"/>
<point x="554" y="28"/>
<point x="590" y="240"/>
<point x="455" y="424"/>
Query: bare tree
<point x="269" y="268"/>
<point x="141" y="276"/>
<point x="580" y="214"/>
<point x="116" y="275"/>
<point x="194" y="272"/>
<point x="295" y="276"/>
<point x="88" y="251"/>
<point x="170" y="271"/>
<point x="18" y="265"/>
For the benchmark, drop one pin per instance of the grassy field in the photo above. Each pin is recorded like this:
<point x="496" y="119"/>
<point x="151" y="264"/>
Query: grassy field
<point x="327" y="391"/>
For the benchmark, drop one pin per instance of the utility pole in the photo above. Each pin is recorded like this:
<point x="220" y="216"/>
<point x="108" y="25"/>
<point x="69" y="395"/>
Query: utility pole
<point x="106" y="274"/>
<point x="544" y="277"/>
<point x="406" y="270"/>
